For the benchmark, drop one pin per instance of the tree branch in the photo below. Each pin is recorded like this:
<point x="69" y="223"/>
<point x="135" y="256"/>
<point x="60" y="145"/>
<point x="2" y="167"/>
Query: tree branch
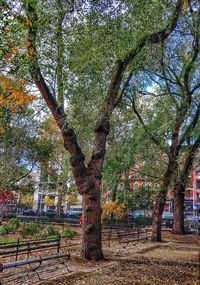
<point x="154" y="140"/>
<point x="190" y="128"/>
<point x="57" y="110"/>
<point x="121" y="65"/>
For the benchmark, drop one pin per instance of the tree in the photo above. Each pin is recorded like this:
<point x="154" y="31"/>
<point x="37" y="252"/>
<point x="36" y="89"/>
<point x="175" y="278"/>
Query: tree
<point x="88" y="178"/>
<point x="174" y="92"/>
<point x="8" y="202"/>
<point x="180" y="183"/>
<point x="15" y="137"/>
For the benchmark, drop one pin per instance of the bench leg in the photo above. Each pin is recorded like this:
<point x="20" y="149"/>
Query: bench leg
<point x="34" y="270"/>
<point x="1" y="273"/>
<point x="64" y="262"/>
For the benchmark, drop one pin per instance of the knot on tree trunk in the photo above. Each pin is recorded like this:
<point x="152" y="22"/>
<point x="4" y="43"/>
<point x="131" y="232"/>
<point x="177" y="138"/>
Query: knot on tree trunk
<point x="92" y="197"/>
<point x="88" y="208"/>
<point x="69" y="132"/>
<point x="88" y="186"/>
<point x="98" y="154"/>
<point x="90" y="228"/>
<point x="103" y="127"/>
<point x="98" y="176"/>
<point x="76" y="159"/>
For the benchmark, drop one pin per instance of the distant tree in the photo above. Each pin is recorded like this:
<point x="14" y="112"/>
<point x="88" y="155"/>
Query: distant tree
<point x="165" y="99"/>
<point x="180" y="184"/>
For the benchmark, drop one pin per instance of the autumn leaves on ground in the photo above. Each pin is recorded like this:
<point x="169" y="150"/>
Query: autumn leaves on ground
<point x="174" y="261"/>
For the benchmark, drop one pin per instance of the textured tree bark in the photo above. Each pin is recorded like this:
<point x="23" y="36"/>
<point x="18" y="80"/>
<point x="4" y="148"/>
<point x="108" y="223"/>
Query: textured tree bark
<point x="160" y="201"/>
<point x="179" y="193"/>
<point x="88" y="181"/>
<point x="91" y="247"/>
<point x="179" y="190"/>
<point x="157" y="218"/>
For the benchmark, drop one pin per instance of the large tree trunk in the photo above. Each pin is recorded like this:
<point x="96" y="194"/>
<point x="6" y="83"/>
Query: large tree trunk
<point x="161" y="199"/>
<point x="157" y="216"/>
<point x="179" y="210"/>
<point x="179" y="191"/>
<point x="88" y="181"/>
<point x="91" y="241"/>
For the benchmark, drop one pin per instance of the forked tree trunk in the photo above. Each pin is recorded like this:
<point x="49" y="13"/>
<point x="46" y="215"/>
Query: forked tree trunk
<point x="88" y="181"/>
<point x="179" y="194"/>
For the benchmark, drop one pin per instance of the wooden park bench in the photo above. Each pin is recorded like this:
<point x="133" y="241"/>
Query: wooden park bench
<point x="32" y="252"/>
<point x="132" y="236"/>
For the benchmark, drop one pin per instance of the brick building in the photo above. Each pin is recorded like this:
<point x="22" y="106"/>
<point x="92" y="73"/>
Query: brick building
<point x="192" y="193"/>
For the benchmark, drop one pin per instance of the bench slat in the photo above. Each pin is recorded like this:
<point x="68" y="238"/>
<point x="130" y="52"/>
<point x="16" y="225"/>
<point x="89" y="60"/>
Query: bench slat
<point x="31" y="260"/>
<point x="27" y="244"/>
<point x="30" y="249"/>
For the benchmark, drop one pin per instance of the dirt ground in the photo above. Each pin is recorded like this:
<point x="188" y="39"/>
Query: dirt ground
<point x="174" y="261"/>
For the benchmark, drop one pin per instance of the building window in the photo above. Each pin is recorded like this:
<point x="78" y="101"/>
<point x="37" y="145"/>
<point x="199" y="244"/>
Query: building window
<point x="198" y="184"/>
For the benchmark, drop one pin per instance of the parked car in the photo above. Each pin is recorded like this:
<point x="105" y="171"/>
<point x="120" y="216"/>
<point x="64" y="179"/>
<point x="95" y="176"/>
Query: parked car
<point x="75" y="211"/>
<point x="140" y="213"/>
<point x="51" y="213"/>
<point x="28" y="212"/>
<point x="192" y="223"/>
<point x="167" y="216"/>
<point x="73" y="215"/>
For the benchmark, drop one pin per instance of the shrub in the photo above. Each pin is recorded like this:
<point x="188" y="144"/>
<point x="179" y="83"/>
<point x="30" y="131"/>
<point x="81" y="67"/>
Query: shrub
<point x="14" y="222"/>
<point x="51" y="231"/>
<point x="9" y="228"/>
<point x="30" y="229"/>
<point x="68" y="233"/>
<point x="3" y="230"/>
<point x="13" y="225"/>
<point x="7" y="240"/>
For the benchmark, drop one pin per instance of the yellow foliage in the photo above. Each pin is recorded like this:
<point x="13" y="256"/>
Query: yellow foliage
<point x="1" y="129"/>
<point x="30" y="52"/>
<point x="71" y="198"/>
<point x="47" y="201"/>
<point x="117" y="209"/>
<point x="29" y="23"/>
<point x="50" y="129"/>
<point x="13" y="94"/>
<point x="28" y="43"/>
<point x="26" y="200"/>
